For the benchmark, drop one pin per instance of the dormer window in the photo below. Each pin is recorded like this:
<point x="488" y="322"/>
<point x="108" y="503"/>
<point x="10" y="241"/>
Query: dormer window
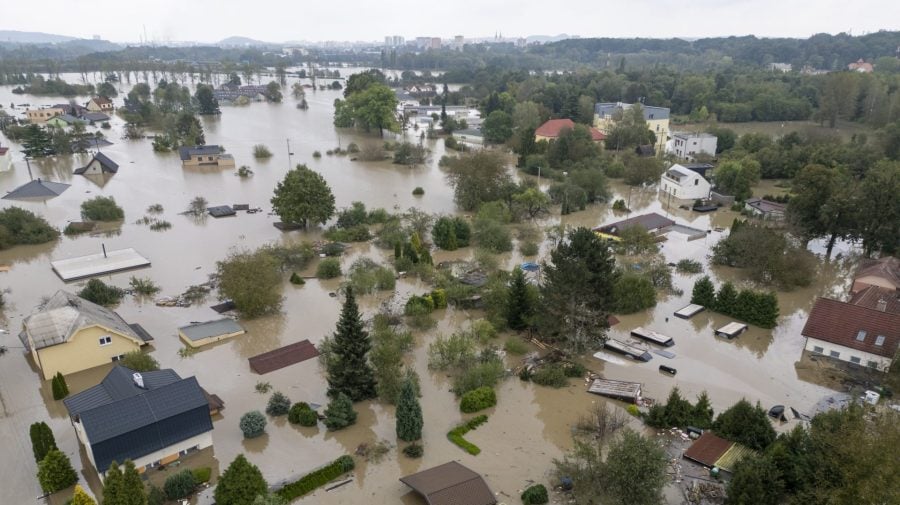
<point x="861" y="336"/>
<point x="879" y="340"/>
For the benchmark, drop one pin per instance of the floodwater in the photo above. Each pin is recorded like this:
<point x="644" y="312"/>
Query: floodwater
<point x="527" y="429"/>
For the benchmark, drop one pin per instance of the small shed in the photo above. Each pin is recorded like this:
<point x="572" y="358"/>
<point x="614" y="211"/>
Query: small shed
<point x="652" y="336"/>
<point x="689" y="311"/>
<point x="283" y="356"/>
<point x="92" y="265"/>
<point x="619" y="390"/>
<point x="451" y="484"/>
<point x="631" y="351"/>
<point x="200" y="334"/>
<point x="221" y="211"/>
<point x="99" y="164"/>
<point x="731" y="330"/>
<point x="712" y="451"/>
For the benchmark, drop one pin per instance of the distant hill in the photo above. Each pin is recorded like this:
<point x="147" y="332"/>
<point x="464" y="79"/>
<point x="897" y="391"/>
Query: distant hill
<point x="241" y="42"/>
<point x="15" y="36"/>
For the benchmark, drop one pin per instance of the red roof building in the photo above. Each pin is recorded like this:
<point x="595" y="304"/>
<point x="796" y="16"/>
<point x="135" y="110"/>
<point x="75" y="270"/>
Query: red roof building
<point x="554" y="127"/>
<point x="883" y="272"/>
<point x="853" y="333"/>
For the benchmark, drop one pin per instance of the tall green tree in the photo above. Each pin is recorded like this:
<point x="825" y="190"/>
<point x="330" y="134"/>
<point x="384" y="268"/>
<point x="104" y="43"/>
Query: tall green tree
<point x="339" y="413"/>
<point x="823" y="204"/>
<point x="114" y="486"/>
<point x="737" y="178"/>
<point x="55" y="472"/>
<point x="240" y="484"/>
<point x="497" y="127"/>
<point x="726" y="299"/>
<point x="409" y="414"/>
<point x="745" y="424"/>
<point x="132" y="486"/>
<point x="879" y="208"/>
<point x="477" y="178"/>
<point x="42" y="440"/>
<point x="374" y="107"/>
<point x="349" y="371"/>
<point x="635" y="470"/>
<point x="189" y="130"/>
<point x="520" y="302"/>
<point x="36" y="142"/>
<point x="252" y="280"/>
<point x="704" y="293"/>
<point x="303" y="197"/>
<point x="206" y="101"/>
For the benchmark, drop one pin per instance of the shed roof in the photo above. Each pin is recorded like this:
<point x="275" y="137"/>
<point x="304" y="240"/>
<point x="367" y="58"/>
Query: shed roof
<point x="707" y="449"/>
<point x="94" y="116"/>
<point x="57" y="320"/>
<point x="186" y="151"/>
<point x="872" y="296"/>
<point x="765" y="206"/>
<point x="37" y="188"/>
<point x="451" y="484"/>
<point x="200" y="331"/>
<point x="82" y="267"/>
<point x="283" y="356"/>
<point x="651" y="221"/>
<point x="854" y="326"/>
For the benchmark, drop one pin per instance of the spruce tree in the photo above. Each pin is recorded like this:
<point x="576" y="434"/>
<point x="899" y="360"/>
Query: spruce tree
<point x="519" y="308"/>
<point x="132" y="486"/>
<point x="409" y="414"/>
<point x="339" y="413"/>
<point x="240" y="484"/>
<point x="278" y="405"/>
<point x="703" y="412"/>
<point x="114" y="486"/>
<point x="55" y="472"/>
<point x="726" y="299"/>
<point x="42" y="440"/>
<point x="349" y="371"/>
<point x="704" y="293"/>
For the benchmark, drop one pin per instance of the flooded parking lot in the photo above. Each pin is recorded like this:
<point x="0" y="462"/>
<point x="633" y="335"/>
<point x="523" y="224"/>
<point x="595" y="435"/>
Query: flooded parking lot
<point x="528" y="427"/>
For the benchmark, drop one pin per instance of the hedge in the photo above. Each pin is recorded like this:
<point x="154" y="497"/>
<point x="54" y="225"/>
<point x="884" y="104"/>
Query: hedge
<point x="317" y="478"/>
<point x="456" y="434"/>
<point x="478" y="399"/>
<point x="202" y="474"/>
<point x="535" y="495"/>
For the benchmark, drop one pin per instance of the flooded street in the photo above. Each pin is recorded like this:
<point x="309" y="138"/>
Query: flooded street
<point x="527" y="429"/>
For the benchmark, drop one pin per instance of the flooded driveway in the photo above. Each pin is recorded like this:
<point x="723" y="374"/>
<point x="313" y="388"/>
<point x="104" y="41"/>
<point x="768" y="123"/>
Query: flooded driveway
<point x="527" y="429"/>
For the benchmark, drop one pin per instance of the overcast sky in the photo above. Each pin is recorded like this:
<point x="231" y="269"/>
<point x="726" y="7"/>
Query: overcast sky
<point x="317" y="20"/>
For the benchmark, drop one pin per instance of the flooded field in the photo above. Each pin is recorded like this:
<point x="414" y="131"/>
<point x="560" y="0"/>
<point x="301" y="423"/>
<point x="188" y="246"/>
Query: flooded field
<point x="527" y="429"/>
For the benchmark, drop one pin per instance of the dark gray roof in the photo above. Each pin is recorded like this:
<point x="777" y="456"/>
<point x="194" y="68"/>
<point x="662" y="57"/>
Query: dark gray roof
<point x="107" y="164"/>
<point x="37" y="189"/>
<point x="650" y="112"/>
<point x="123" y="421"/>
<point x="94" y="116"/>
<point x="199" y="331"/>
<point x="186" y="152"/>
<point x="651" y="221"/>
<point x="221" y="211"/>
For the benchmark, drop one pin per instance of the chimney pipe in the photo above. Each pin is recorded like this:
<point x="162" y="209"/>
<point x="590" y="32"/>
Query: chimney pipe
<point x="104" y="249"/>
<point x="881" y="305"/>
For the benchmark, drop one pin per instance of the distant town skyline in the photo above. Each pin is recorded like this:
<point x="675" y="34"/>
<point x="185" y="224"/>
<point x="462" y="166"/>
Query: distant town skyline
<point x="209" y="21"/>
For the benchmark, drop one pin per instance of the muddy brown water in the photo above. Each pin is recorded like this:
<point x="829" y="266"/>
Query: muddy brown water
<point x="528" y="428"/>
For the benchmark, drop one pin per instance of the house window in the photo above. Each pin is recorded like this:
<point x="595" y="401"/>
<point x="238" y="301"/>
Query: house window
<point x="105" y="340"/>
<point x="117" y="358"/>
<point x="818" y="349"/>
<point x="861" y="336"/>
<point x="855" y="359"/>
<point x="879" y="340"/>
<point x="872" y="364"/>
<point x="835" y="354"/>
<point x="696" y="182"/>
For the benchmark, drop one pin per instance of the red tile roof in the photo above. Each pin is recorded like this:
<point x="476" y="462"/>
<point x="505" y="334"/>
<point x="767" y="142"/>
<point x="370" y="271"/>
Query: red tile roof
<point x="840" y="323"/>
<point x="887" y="268"/>
<point x="102" y="100"/>
<point x="283" y="356"/>
<point x="708" y="449"/>
<point x="872" y="296"/>
<point x="554" y="127"/>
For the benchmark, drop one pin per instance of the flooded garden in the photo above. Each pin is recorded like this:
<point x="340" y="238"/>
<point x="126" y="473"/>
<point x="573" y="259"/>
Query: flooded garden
<point x="529" y="427"/>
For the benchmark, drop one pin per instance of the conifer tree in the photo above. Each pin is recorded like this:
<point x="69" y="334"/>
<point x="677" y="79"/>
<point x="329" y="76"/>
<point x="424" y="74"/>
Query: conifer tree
<point x="349" y="371"/>
<point x="240" y="484"/>
<point x="409" y="414"/>
<point x="132" y="486"/>
<point x="704" y="293"/>
<point x="726" y="299"/>
<point x="42" y="440"/>
<point x="339" y="413"/>
<point x="114" y="486"/>
<point x="59" y="387"/>
<point x="55" y="472"/>
<point x="519" y="303"/>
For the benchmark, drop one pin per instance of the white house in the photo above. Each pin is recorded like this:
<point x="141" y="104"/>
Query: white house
<point x="683" y="183"/>
<point x="851" y="333"/>
<point x="687" y="145"/>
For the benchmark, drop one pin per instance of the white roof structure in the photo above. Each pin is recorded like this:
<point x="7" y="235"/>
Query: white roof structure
<point x="64" y="314"/>
<point x="92" y="265"/>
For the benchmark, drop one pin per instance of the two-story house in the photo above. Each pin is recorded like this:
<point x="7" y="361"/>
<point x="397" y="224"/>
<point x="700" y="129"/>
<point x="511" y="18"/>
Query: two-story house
<point x="41" y="116"/>
<point x="606" y="115"/>
<point x="681" y="183"/>
<point x="687" y="145"/>
<point x="205" y="156"/>
<point x="553" y="128"/>
<point x="69" y="334"/>
<point x="99" y="104"/>
<point x="854" y="333"/>
<point x="152" y="418"/>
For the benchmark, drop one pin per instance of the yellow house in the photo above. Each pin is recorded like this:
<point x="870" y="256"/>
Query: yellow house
<point x="41" y="116"/>
<point x="209" y="332"/>
<point x="606" y="115"/>
<point x="68" y="334"/>
<point x="205" y="156"/>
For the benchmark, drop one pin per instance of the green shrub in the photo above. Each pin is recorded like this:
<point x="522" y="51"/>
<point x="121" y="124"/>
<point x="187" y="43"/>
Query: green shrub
<point x="261" y="151"/>
<point x="202" y="475"/>
<point x="101" y="208"/>
<point x="515" y="346"/>
<point x="339" y="413"/>
<point x="59" y="387"/>
<point x="689" y="266"/>
<point x="414" y="450"/>
<point x="301" y="413"/>
<point x="296" y="279"/>
<point x="633" y="410"/>
<point x="156" y="496"/>
<point x="478" y="399"/>
<point x="101" y="294"/>
<point x="278" y="405"/>
<point x="356" y="233"/>
<point x="139" y="361"/>
<point x="575" y="370"/>
<point x="317" y="478"/>
<point x="329" y="268"/>
<point x="551" y="375"/>
<point x="451" y="233"/>
<point x="619" y="205"/>
<point x="352" y="148"/>
<point x="20" y="226"/>
<point x="456" y="434"/>
<point x="253" y="424"/>
<point x="418" y="191"/>
<point x="316" y="154"/>
<point x="144" y="286"/>
<point x="179" y="485"/>
<point x="487" y="373"/>
<point x="529" y="248"/>
<point x="535" y="495"/>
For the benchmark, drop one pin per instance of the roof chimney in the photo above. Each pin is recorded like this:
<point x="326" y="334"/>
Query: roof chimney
<point x="138" y="380"/>
<point x="881" y="305"/>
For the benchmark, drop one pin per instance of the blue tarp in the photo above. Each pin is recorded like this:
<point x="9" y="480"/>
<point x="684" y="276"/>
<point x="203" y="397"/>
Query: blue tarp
<point x="530" y="267"/>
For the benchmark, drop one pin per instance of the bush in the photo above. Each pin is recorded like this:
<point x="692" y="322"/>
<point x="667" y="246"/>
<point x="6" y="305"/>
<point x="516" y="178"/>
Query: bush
<point x="409" y="154"/>
<point x="356" y="233"/>
<point x="261" y="151"/>
<point x="179" y="485"/>
<point x="575" y="370"/>
<point x="619" y="205"/>
<point x="633" y="410"/>
<point x="414" y="450"/>
<point x="418" y="191"/>
<point x="301" y="413"/>
<point x="144" y="286"/>
<point x="633" y="293"/>
<point x="59" y="387"/>
<point x="339" y="414"/>
<point x="139" y="361"/>
<point x="317" y="478"/>
<point x="202" y="475"/>
<point x="552" y="375"/>
<point x="478" y="399"/>
<point x="253" y="424"/>
<point x="456" y="434"/>
<point x="253" y="280"/>
<point x="529" y="248"/>
<point x="485" y="374"/>
<point x="101" y="294"/>
<point x="20" y="226"/>
<point x="316" y="154"/>
<point x="689" y="266"/>
<point x="278" y="405"/>
<point x="535" y="495"/>
<point x="55" y="472"/>
<point x="156" y="496"/>
<point x="101" y="208"/>
<point x="366" y="276"/>
<point x="329" y="268"/>
<point x="352" y="148"/>
<point x="515" y="345"/>
<point x="296" y="279"/>
<point x="451" y="233"/>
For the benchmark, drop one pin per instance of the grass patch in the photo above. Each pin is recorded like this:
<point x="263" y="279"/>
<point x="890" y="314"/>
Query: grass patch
<point x="515" y="346"/>
<point x="456" y="434"/>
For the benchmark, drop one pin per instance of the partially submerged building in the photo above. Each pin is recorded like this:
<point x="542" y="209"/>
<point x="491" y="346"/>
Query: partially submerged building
<point x="687" y="145"/>
<point x="99" y="164"/>
<point x="200" y="334"/>
<point x="883" y="272"/>
<point x="152" y="418"/>
<point x="68" y="334"/>
<point x="684" y="184"/>
<point x="856" y="334"/>
<point x="451" y="484"/>
<point x="37" y="189"/>
<point x="652" y="222"/>
<point x="712" y="451"/>
<point x="766" y="209"/>
<point x="205" y="156"/>
<point x="99" y="104"/>
<point x="553" y="128"/>
<point x="607" y="115"/>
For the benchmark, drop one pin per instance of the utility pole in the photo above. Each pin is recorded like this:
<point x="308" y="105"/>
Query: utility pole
<point x="289" y="152"/>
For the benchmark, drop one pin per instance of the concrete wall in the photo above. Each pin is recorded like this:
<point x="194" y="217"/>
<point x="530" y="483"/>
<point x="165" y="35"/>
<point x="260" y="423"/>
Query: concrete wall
<point x="83" y="351"/>
<point x="822" y="347"/>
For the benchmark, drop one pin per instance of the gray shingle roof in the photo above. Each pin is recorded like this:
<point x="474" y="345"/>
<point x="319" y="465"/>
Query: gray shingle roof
<point x="650" y="112"/>
<point x="107" y="164"/>
<point x="186" y="152"/>
<point x="57" y="320"/>
<point x="37" y="189"/>
<point x="117" y="385"/>
<point x="94" y="116"/>
<point x="199" y="331"/>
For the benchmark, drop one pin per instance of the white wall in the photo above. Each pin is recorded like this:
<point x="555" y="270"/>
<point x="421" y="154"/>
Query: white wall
<point x="688" y="189"/>
<point x="883" y="364"/>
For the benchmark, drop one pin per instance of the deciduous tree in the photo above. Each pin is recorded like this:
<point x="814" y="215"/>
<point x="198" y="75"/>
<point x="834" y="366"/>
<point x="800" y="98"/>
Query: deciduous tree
<point x="240" y="484"/>
<point x="303" y="197"/>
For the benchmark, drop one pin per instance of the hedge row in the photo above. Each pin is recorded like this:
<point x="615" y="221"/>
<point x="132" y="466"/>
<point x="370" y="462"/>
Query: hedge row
<point x="316" y="479"/>
<point x="456" y="434"/>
